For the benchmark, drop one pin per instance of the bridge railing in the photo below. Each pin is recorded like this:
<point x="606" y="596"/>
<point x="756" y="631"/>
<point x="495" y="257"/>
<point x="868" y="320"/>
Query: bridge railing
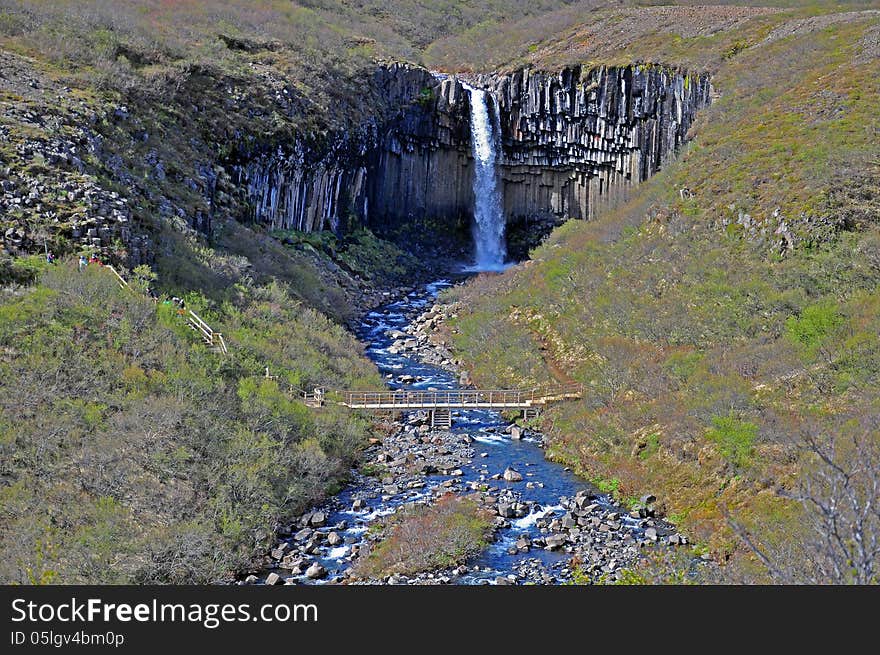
<point x="460" y="397"/>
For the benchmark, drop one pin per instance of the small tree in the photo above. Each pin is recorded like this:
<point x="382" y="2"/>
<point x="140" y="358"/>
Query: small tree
<point x="840" y="496"/>
<point x="144" y="278"/>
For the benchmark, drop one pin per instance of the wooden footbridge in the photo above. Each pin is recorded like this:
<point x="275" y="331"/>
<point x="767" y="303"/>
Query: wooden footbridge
<point x="440" y="403"/>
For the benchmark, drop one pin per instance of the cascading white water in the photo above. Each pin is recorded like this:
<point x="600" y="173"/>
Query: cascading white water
<point x="488" y="215"/>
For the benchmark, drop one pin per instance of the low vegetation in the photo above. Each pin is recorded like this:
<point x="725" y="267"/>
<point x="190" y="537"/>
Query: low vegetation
<point x="132" y="453"/>
<point x="724" y="320"/>
<point x="429" y="537"/>
<point x="359" y="253"/>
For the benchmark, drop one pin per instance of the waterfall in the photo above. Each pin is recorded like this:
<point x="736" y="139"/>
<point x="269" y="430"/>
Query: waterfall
<point x="488" y="214"/>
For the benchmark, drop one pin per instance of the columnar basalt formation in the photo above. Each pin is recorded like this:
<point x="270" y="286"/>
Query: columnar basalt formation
<point x="579" y="139"/>
<point x="572" y="142"/>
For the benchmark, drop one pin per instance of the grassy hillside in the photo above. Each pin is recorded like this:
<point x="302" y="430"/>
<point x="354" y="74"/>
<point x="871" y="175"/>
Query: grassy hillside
<point x="129" y="452"/>
<point x="725" y="320"/>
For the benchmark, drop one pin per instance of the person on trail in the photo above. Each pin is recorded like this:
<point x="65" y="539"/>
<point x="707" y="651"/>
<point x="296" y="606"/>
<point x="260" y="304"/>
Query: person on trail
<point x="50" y="257"/>
<point x="83" y="262"/>
<point x="95" y="260"/>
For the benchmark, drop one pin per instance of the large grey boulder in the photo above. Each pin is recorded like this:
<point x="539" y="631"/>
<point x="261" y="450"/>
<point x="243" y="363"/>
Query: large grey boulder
<point x="512" y="475"/>
<point x="316" y="571"/>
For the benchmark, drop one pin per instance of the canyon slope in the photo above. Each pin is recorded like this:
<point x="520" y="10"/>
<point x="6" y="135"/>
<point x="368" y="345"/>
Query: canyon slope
<point x="709" y="173"/>
<point x="724" y="315"/>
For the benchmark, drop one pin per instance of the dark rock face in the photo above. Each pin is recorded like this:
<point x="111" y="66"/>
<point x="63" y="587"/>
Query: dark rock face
<point x="575" y="140"/>
<point x="572" y="142"/>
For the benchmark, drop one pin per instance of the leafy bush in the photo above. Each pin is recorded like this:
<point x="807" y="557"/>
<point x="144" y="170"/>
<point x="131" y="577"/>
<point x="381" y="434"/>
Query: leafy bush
<point x="813" y="327"/>
<point x="735" y="439"/>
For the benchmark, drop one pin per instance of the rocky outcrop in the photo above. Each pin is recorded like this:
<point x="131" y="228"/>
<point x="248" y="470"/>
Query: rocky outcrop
<point x="385" y="168"/>
<point x="50" y="195"/>
<point x="576" y="140"/>
<point x="571" y="142"/>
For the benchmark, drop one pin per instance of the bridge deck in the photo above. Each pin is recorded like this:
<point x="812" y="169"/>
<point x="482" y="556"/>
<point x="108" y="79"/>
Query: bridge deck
<point x="451" y="399"/>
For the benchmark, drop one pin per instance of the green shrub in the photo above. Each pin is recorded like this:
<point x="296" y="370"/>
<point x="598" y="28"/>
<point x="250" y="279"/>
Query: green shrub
<point x="683" y="365"/>
<point x="423" y="537"/>
<point x="734" y="438"/>
<point x="425" y="97"/>
<point x="813" y="327"/>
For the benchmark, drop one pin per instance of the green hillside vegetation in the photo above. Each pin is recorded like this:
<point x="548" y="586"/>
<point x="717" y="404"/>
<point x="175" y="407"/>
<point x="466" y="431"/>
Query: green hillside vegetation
<point x="132" y="453"/>
<point x="725" y="320"/>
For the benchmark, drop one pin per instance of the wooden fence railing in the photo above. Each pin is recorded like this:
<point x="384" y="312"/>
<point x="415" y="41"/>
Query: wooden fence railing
<point x="209" y="336"/>
<point x="123" y="283"/>
<point x="195" y="322"/>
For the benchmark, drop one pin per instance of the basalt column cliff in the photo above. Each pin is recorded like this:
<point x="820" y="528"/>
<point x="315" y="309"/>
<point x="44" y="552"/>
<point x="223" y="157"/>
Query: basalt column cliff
<point x="570" y="142"/>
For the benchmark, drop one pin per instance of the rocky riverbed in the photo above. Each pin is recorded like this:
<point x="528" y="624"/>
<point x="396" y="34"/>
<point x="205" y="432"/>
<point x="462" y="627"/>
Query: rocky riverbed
<point x="547" y="521"/>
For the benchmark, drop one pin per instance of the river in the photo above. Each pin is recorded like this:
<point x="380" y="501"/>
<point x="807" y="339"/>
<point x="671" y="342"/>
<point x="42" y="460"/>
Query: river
<point x="549" y="503"/>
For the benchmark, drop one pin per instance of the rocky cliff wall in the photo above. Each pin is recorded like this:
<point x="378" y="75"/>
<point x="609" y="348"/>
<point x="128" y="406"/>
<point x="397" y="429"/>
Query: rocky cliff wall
<point x="577" y="139"/>
<point x="572" y="142"/>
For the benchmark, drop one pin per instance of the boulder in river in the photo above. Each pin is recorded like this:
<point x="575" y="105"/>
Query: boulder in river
<point x="506" y="510"/>
<point x="274" y="579"/>
<point x="516" y="432"/>
<point x="554" y="541"/>
<point x="334" y="539"/>
<point x="316" y="571"/>
<point x="512" y="475"/>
